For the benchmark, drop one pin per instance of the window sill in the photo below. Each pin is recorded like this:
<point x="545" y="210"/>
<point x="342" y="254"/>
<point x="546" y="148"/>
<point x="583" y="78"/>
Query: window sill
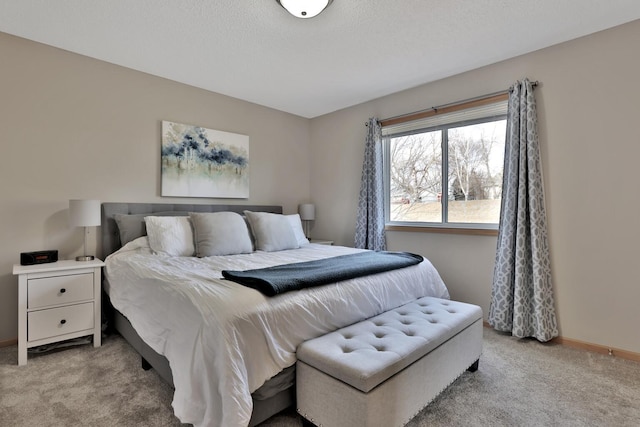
<point x="444" y="230"/>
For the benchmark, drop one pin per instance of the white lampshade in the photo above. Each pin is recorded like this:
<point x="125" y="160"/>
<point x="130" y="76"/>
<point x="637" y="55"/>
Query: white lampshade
<point x="84" y="213"/>
<point x="304" y="8"/>
<point x="307" y="212"/>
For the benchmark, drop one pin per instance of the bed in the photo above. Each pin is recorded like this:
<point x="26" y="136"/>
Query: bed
<point x="229" y="350"/>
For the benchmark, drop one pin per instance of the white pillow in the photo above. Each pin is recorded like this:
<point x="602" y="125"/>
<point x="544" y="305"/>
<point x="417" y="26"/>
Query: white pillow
<point x="220" y="233"/>
<point x="296" y="225"/>
<point x="170" y="235"/>
<point x="273" y="232"/>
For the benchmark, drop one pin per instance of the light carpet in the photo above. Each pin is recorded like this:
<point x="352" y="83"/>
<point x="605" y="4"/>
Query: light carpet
<point x="519" y="383"/>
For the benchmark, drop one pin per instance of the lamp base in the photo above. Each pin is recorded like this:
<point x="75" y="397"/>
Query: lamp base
<point x="85" y="258"/>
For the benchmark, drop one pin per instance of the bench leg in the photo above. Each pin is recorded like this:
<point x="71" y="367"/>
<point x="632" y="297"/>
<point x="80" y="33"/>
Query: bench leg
<point x="474" y="366"/>
<point x="307" y="423"/>
<point x="145" y="365"/>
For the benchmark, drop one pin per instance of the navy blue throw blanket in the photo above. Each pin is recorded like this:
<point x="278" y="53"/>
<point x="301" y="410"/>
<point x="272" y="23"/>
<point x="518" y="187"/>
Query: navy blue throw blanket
<point x="288" y="277"/>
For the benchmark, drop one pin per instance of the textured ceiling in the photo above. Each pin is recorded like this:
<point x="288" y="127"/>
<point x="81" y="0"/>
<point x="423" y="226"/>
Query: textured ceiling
<point x="355" y="51"/>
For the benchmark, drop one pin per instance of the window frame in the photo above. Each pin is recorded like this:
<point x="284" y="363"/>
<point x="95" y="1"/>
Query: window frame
<point x="443" y="226"/>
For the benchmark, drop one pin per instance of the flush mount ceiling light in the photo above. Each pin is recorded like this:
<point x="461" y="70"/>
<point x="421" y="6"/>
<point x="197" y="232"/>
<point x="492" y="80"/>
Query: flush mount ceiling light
<point x="304" y="8"/>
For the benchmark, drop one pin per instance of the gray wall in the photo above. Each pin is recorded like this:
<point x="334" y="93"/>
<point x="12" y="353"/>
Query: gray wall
<point x="74" y="127"/>
<point x="588" y="113"/>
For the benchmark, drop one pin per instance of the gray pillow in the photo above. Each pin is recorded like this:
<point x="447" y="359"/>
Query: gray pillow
<point x="132" y="226"/>
<point x="272" y="232"/>
<point x="220" y="233"/>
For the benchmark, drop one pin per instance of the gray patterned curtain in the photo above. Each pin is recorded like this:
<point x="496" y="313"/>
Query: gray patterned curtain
<point x="370" y="217"/>
<point x="522" y="296"/>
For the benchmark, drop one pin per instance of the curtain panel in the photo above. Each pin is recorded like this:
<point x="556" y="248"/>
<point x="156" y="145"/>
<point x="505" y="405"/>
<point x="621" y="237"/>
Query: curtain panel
<point x="522" y="301"/>
<point x="370" y="217"/>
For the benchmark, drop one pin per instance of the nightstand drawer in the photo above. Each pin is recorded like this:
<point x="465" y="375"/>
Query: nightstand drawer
<point x="59" y="321"/>
<point x="57" y="290"/>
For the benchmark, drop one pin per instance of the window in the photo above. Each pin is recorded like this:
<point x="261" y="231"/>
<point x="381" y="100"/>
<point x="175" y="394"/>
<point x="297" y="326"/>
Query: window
<point x="445" y="170"/>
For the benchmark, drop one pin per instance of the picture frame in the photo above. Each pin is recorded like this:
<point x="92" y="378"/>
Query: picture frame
<point x="201" y="162"/>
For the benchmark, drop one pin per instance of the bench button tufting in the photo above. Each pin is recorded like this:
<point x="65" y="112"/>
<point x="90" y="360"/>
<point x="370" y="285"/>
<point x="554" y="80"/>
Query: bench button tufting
<point x="414" y="320"/>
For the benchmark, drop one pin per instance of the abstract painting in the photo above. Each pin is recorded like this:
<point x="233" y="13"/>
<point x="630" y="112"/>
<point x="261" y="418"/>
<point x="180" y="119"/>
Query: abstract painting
<point x="199" y="162"/>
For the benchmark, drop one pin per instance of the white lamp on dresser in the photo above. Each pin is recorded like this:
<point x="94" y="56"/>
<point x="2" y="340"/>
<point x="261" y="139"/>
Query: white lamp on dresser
<point x="307" y="212"/>
<point x="84" y="213"/>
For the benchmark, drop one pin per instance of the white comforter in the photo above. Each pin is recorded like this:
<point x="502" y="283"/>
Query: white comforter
<point x="224" y="340"/>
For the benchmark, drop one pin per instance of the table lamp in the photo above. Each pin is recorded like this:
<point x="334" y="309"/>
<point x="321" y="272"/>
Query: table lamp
<point x="307" y="212"/>
<point x="84" y="213"/>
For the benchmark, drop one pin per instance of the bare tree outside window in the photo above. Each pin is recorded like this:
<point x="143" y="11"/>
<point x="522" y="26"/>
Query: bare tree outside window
<point x="416" y="177"/>
<point x="476" y="154"/>
<point x="472" y="161"/>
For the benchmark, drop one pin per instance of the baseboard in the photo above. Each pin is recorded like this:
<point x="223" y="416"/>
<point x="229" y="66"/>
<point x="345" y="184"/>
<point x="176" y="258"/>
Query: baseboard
<point x="8" y="343"/>
<point x="595" y="348"/>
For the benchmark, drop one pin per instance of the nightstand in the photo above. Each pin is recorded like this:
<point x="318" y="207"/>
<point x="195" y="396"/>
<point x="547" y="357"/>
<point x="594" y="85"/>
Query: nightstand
<point x="321" y="242"/>
<point x="58" y="301"/>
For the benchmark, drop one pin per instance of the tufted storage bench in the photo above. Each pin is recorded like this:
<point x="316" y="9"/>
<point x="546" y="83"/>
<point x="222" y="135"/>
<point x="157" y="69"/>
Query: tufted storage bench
<point x="384" y="370"/>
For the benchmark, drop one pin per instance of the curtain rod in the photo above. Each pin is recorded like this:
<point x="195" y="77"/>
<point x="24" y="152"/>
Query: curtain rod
<point x="452" y="104"/>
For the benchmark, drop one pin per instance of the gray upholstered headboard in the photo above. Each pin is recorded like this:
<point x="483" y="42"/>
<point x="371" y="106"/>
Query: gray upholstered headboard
<point x="111" y="237"/>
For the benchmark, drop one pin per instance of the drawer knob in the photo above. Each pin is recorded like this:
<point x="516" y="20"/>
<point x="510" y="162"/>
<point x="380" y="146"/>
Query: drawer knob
<point x="63" y="290"/>
<point x="63" y="321"/>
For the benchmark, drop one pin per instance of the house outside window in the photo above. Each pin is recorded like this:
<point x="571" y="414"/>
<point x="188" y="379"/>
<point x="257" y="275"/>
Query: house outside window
<point x="445" y="170"/>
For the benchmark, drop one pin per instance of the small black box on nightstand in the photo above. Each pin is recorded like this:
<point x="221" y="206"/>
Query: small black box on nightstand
<point x="40" y="257"/>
